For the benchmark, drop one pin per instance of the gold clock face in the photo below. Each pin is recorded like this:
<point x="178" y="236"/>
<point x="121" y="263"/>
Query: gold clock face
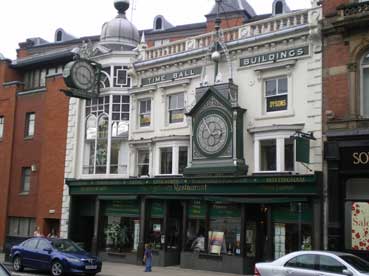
<point x="83" y="75"/>
<point x="212" y="133"/>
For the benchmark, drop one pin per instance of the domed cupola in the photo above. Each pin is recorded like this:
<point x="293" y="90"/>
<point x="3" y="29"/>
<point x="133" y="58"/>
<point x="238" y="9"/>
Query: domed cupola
<point x="119" y="34"/>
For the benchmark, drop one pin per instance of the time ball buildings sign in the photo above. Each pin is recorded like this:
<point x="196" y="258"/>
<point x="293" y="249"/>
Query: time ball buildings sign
<point x="172" y="76"/>
<point x="274" y="56"/>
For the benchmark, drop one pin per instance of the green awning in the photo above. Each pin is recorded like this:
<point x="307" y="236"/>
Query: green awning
<point x="256" y="200"/>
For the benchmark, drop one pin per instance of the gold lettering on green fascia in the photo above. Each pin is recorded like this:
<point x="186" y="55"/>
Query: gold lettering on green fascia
<point x="285" y="180"/>
<point x="190" y="188"/>
<point x="360" y="158"/>
<point x="94" y="189"/>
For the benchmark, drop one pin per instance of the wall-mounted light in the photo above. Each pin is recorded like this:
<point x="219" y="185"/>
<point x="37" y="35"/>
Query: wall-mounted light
<point x="33" y="167"/>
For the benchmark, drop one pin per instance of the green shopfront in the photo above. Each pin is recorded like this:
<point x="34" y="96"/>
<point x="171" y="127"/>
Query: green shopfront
<point x="223" y="224"/>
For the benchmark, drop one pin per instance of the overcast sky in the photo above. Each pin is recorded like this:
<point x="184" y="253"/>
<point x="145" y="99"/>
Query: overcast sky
<point x="22" y="19"/>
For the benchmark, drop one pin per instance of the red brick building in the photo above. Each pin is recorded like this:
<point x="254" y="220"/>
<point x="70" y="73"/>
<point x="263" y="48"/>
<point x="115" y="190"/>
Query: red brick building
<point x="346" y="116"/>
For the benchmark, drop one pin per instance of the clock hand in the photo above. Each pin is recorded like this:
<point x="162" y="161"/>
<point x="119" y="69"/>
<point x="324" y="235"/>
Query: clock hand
<point x="207" y="127"/>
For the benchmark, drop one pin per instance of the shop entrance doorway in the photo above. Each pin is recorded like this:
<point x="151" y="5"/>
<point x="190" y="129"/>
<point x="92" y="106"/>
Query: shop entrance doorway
<point x="174" y="231"/>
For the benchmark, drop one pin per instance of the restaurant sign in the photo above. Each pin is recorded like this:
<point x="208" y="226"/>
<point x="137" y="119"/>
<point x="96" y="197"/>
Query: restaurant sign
<point x="172" y="76"/>
<point x="274" y="56"/>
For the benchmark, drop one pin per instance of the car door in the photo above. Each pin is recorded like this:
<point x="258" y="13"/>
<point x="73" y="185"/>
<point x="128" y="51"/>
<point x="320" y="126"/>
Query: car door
<point x="329" y="266"/>
<point x="43" y="254"/>
<point x="28" y="252"/>
<point x="301" y="265"/>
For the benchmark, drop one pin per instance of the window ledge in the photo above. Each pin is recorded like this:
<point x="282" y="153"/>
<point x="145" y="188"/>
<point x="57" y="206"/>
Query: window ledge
<point x="143" y="130"/>
<point x="276" y="115"/>
<point x="28" y="138"/>
<point x="24" y="194"/>
<point x="32" y="91"/>
<point x="174" y="126"/>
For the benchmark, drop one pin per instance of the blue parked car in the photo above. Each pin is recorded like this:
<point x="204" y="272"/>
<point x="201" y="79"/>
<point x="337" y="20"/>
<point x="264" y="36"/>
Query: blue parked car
<point x="59" y="256"/>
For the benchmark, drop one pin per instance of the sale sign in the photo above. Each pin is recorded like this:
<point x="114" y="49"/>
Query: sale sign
<point x="360" y="225"/>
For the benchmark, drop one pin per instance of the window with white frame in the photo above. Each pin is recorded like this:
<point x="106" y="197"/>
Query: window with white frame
<point x="26" y="180"/>
<point x="365" y="85"/>
<point x="172" y="159"/>
<point x="143" y="162"/>
<point x="182" y="159"/>
<point x="166" y="160"/>
<point x="176" y="108"/>
<point x="120" y="77"/>
<point x="106" y="135"/>
<point x="2" y="123"/>
<point x="144" y="112"/>
<point x="29" y="130"/>
<point x="276" y="94"/>
<point x="105" y="78"/>
<point x="274" y="154"/>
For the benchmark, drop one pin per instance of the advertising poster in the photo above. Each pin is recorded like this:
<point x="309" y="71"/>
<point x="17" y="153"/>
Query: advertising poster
<point x="360" y="225"/>
<point x="215" y="242"/>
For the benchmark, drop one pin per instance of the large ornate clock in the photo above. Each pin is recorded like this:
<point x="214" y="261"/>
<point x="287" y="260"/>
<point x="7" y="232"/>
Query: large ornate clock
<point x="212" y="132"/>
<point x="217" y="132"/>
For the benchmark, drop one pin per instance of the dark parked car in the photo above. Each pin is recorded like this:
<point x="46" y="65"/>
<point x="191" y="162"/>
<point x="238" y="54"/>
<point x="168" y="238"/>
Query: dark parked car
<point x="59" y="256"/>
<point x="4" y="271"/>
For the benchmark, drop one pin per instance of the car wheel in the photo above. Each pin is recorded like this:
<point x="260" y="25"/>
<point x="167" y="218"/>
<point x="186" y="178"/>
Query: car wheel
<point x="17" y="264"/>
<point x="57" y="268"/>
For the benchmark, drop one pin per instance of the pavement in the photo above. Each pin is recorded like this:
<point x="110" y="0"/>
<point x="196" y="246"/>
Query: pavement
<point x="119" y="269"/>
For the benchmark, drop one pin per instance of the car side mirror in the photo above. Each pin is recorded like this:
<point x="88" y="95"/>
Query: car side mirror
<point x="347" y="272"/>
<point x="48" y="250"/>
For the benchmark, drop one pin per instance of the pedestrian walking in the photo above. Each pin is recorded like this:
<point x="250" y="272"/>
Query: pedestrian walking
<point x="37" y="232"/>
<point x="147" y="259"/>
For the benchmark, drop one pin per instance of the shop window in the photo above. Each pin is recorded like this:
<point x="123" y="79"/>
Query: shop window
<point x="145" y="112"/>
<point x="21" y="227"/>
<point x="30" y="125"/>
<point x="182" y="159"/>
<point x="365" y="86"/>
<point x="276" y="94"/>
<point x="176" y="108"/>
<point x="120" y="77"/>
<point x="121" y="226"/>
<point x="2" y="123"/>
<point x="166" y="158"/>
<point x="224" y="229"/>
<point x="26" y="180"/>
<point x="156" y="230"/>
<point x="143" y="159"/>
<point x="97" y="135"/>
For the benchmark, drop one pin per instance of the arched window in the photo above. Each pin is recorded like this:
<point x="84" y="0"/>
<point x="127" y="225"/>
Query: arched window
<point x="364" y="99"/>
<point x="279" y="7"/>
<point x="159" y="24"/>
<point x="59" y="36"/>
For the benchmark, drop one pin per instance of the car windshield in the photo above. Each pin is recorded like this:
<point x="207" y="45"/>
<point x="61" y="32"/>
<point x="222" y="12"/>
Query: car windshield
<point x="66" y="246"/>
<point x="357" y="263"/>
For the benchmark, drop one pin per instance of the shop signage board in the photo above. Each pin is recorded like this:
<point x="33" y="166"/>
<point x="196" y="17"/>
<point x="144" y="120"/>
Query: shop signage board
<point x="275" y="56"/>
<point x="127" y="208"/>
<point x="215" y="242"/>
<point x="172" y="76"/>
<point x="277" y="103"/>
<point x="225" y="210"/>
<point x="355" y="158"/>
<point x="196" y="209"/>
<point x="157" y="209"/>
